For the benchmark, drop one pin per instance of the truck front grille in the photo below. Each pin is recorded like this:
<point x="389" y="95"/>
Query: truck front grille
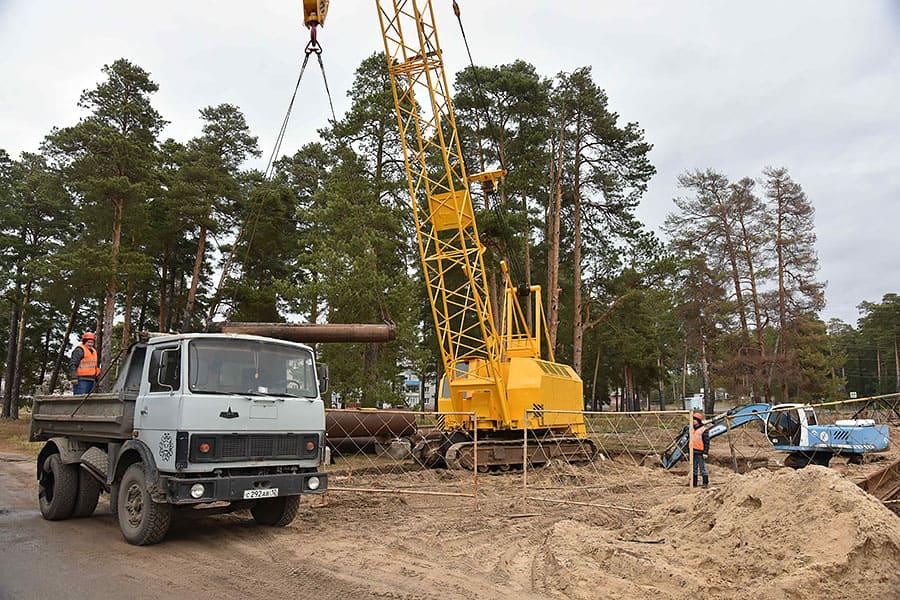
<point x="245" y="447"/>
<point x="234" y="447"/>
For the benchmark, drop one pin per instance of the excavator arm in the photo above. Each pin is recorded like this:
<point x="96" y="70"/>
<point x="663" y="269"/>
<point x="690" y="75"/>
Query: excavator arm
<point x="736" y="417"/>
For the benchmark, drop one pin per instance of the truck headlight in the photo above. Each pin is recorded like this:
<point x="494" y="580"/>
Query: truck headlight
<point x="313" y="483"/>
<point x="197" y="491"/>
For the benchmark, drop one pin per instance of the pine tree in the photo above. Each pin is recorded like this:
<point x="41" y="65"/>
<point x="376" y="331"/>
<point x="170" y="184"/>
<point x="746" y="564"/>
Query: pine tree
<point x="109" y="159"/>
<point x="790" y="218"/>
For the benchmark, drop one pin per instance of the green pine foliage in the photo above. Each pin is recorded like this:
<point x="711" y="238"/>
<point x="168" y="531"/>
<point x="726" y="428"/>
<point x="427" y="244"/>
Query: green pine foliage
<point x="112" y="228"/>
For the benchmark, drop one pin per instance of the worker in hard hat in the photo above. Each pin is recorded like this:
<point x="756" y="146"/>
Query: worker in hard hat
<point x="84" y="366"/>
<point x="700" y="448"/>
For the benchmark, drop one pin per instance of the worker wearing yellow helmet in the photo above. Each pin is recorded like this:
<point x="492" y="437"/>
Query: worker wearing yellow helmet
<point x="84" y="365"/>
<point x="700" y="448"/>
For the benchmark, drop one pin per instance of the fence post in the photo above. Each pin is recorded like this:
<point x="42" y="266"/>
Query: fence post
<point x="525" y="463"/>
<point x="690" y="451"/>
<point x="731" y="444"/>
<point x="475" y="450"/>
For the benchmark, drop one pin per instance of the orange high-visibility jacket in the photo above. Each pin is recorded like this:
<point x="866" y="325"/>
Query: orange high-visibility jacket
<point x="88" y="368"/>
<point x="697" y="438"/>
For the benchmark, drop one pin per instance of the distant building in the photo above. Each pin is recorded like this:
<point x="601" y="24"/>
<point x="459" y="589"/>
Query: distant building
<point x="695" y="401"/>
<point x="412" y="390"/>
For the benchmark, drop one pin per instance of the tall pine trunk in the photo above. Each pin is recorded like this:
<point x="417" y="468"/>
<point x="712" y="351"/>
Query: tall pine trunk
<point x="526" y="236"/>
<point x="45" y="352"/>
<point x="659" y="383"/>
<point x="578" y="326"/>
<point x="896" y="364"/>
<point x="709" y="398"/>
<point x="142" y="315"/>
<point x="878" y="368"/>
<point x="11" y="353"/>
<point x="163" y="288"/>
<point x="109" y="308"/>
<point x="63" y="345"/>
<point x="20" y="355"/>
<point x="731" y="251"/>
<point x="553" y="251"/>
<point x="782" y="293"/>
<point x="759" y="373"/>
<point x="188" y="316"/>
<point x="226" y="273"/>
<point x="129" y="305"/>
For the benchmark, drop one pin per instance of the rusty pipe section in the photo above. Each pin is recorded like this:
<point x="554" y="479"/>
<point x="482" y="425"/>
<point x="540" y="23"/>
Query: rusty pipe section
<point x="312" y="333"/>
<point x="364" y="423"/>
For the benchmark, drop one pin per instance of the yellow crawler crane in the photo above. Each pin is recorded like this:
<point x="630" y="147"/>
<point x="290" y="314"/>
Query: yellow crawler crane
<point x="496" y="376"/>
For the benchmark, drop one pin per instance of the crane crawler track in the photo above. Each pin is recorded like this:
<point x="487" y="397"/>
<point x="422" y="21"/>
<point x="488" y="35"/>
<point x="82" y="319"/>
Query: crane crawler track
<point x="504" y="455"/>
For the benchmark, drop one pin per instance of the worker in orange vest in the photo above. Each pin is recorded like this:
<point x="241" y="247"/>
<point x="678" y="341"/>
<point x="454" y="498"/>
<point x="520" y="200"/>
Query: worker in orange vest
<point x="700" y="448"/>
<point x="84" y="366"/>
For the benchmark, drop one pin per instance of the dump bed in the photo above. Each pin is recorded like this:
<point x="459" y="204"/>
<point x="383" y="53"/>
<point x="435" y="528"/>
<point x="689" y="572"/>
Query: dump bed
<point x="100" y="417"/>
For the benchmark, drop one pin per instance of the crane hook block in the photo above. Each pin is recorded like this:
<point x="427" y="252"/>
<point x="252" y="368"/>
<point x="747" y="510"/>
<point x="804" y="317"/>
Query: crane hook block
<point x="488" y="179"/>
<point x="314" y="12"/>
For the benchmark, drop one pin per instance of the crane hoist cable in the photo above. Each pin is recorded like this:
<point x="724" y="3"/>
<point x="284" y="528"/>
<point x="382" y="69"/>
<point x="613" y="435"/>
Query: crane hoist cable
<point x="313" y="47"/>
<point x="514" y="262"/>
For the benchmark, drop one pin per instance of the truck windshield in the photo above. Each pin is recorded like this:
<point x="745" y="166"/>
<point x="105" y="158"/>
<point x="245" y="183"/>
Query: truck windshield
<point x="232" y="366"/>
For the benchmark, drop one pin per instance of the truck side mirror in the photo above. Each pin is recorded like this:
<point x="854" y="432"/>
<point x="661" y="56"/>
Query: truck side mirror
<point x="164" y="379"/>
<point x="322" y="371"/>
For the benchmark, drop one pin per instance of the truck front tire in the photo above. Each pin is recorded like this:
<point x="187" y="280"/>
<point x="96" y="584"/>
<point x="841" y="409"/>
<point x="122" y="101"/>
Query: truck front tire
<point x="57" y="488"/>
<point x="88" y="495"/>
<point x="276" y="512"/>
<point x="142" y="521"/>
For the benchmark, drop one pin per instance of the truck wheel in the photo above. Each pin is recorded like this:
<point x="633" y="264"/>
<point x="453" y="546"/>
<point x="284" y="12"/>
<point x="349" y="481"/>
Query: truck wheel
<point x="57" y="488"/>
<point x="142" y="521"/>
<point x="276" y="512"/>
<point x="88" y="494"/>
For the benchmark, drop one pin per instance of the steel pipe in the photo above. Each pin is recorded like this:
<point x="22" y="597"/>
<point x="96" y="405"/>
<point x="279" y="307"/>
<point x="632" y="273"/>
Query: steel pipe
<point x="311" y="333"/>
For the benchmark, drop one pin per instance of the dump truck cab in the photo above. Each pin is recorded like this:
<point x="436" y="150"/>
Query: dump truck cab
<point x="193" y="419"/>
<point x="235" y="400"/>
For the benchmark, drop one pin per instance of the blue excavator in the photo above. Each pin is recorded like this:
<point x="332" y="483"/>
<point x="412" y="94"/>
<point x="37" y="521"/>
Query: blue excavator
<point x="794" y="429"/>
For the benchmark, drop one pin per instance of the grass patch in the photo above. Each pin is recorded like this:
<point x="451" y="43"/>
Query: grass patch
<point x="14" y="436"/>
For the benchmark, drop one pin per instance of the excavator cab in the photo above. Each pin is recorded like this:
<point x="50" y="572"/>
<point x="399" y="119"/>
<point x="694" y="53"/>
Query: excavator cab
<point x="787" y="424"/>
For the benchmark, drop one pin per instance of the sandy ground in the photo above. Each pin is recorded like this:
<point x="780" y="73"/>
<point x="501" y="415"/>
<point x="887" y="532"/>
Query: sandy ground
<point x="769" y="533"/>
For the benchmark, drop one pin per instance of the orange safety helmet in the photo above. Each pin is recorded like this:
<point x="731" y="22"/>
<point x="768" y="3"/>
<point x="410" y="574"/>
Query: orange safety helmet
<point x="698" y="416"/>
<point x="87" y="335"/>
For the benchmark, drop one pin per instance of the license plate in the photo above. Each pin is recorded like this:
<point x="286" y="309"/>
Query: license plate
<point x="254" y="494"/>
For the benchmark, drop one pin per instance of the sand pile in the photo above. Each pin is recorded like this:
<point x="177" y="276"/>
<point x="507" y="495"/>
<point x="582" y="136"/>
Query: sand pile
<point x="790" y="534"/>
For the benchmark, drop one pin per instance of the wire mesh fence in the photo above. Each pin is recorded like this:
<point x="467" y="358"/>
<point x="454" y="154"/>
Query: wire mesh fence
<point x="616" y="461"/>
<point x="612" y="464"/>
<point x="399" y="452"/>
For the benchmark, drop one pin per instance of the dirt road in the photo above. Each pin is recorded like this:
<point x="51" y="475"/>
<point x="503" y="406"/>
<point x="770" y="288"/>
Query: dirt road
<point x="222" y="556"/>
<point x="673" y="543"/>
<point x="351" y="547"/>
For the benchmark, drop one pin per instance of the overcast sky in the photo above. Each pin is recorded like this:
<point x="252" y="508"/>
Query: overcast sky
<point x="810" y="85"/>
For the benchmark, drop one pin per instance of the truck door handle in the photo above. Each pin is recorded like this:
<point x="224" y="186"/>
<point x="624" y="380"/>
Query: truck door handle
<point x="144" y="411"/>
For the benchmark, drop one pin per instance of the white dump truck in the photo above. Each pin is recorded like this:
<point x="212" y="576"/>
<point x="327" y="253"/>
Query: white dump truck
<point x="218" y="421"/>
